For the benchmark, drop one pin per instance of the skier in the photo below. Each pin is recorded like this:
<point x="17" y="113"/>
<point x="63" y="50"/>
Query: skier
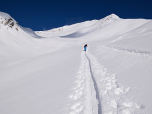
<point x="85" y="47"/>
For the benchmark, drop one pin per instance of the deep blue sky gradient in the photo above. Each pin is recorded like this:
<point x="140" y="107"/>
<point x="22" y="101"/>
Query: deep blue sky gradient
<point x="47" y="14"/>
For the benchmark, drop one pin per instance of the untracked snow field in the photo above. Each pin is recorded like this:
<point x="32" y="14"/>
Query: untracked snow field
<point x="47" y="72"/>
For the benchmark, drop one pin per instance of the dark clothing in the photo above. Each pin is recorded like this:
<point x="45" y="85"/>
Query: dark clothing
<point x="85" y="47"/>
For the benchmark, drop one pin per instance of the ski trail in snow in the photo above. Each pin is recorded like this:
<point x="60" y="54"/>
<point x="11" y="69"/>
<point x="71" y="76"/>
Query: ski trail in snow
<point x="113" y="97"/>
<point x="98" y="92"/>
<point x="96" y="88"/>
<point x="92" y="103"/>
<point x="133" y="51"/>
<point x="83" y="99"/>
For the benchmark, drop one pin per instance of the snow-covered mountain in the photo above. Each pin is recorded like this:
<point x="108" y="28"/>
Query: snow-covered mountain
<point x="79" y="29"/>
<point x="47" y="72"/>
<point x="7" y="21"/>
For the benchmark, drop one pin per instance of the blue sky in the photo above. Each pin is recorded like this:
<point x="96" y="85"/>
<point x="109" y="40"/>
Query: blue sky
<point x="47" y="14"/>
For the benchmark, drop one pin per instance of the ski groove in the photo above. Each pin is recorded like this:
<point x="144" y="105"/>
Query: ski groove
<point x="111" y="95"/>
<point x="98" y="92"/>
<point x="83" y="99"/>
<point x="96" y="87"/>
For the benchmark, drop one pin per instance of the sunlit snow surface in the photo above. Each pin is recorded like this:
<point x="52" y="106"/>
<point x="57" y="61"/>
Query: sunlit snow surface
<point x="49" y="73"/>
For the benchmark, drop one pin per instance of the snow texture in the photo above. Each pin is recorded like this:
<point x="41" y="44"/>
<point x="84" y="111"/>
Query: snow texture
<point x="48" y="72"/>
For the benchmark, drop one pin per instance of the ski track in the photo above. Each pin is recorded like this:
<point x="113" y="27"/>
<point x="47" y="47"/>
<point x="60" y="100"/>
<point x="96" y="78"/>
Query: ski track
<point x="98" y="92"/>
<point x="145" y="53"/>
<point x="83" y="99"/>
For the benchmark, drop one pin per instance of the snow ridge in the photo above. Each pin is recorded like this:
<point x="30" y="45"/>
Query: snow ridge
<point x="106" y="20"/>
<point x="7" y="21"/>
<point x="54" y="30"/>
<point x="82" y="27"/>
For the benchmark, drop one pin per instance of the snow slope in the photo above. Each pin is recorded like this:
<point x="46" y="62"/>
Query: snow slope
<point x="48" y="72"/>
